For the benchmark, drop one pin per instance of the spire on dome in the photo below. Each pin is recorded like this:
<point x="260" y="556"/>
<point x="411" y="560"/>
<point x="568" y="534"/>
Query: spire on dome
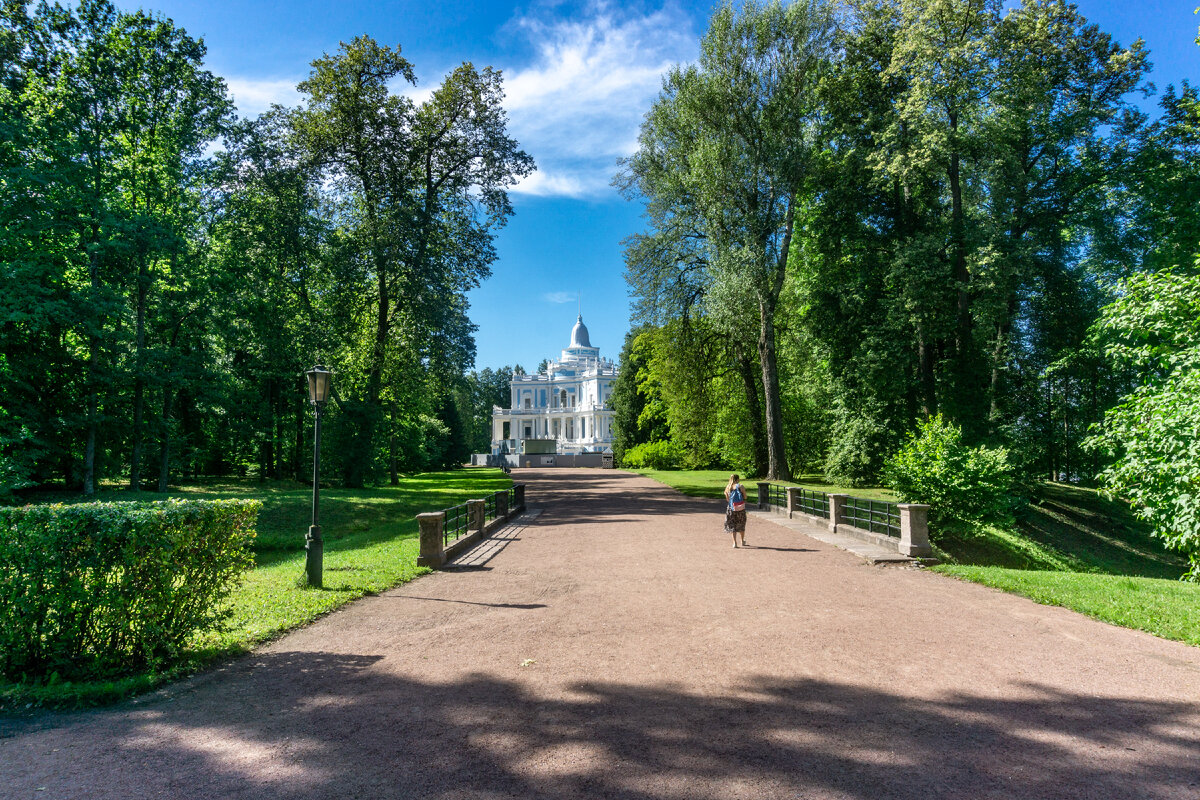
<point x="579" y="334"/>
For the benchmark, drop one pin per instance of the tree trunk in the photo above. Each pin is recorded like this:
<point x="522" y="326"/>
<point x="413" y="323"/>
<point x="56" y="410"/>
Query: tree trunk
<point x="927" y="376"/>
<point x="139" y="383"/>
<point x="1050" y="459"/>
<point x="958" y="255"/>
<point x="745" y="367"/>
<point x="355" y="472"/>
<point x="777" y="466"/>
<point x="298" y="453"/>
<point x="164" y="450"/>
<point x="93" y="400"/>
<point x="393" y="473"/>
<point x="996" y="385"/>
<point x="277" y="434"/>
<point x="266" y="451"/>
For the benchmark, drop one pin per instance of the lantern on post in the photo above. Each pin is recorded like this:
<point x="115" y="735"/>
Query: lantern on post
<point x="319" y="384"/>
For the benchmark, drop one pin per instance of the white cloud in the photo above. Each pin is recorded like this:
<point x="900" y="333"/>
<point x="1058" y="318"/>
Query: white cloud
<point x="418" y="94"/>
<point x="544" y="184"/>
<point x="559" y="297"/>
<point x="253" y="96"/>
<point x="576" y="109"/>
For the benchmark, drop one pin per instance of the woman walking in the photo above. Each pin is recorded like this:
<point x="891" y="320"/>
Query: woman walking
<point x="735" y="509"/>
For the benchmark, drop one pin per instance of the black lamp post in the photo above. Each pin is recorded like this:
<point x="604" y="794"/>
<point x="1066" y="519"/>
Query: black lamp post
<point x="318" y="393"/>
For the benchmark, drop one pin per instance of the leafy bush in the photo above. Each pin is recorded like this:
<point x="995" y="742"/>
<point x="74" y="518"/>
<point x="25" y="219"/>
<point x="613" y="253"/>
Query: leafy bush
<point x="98" y="589"/>
<point x="653" y="455"/>
<point x="1153" y="434"/>
<point x="963" y="486"/>
<point x="856" y="448"/>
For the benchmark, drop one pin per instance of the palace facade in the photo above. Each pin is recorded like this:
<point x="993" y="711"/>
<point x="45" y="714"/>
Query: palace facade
<point x="569" y="404"/>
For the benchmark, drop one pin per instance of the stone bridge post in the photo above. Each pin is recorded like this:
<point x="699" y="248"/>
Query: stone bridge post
<point x="793" y="500"/>
<point x="476" y="516"/>
<point x="914" y="530"/>
<point x="764" y="495"/>
<point x="433" y="552"/>
<point x="836" y="503"/>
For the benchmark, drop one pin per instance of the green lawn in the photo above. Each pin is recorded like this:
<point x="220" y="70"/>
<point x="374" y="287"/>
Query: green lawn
<point x="370" y="545"/>
<point x="1069" y="547"/>
<point x="1166" y="608"/>
<point x="711" y="483"/>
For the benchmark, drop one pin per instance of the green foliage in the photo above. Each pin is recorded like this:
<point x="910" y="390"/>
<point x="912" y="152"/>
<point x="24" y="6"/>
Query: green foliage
<point x="723" y="162"/>
<point x="422" y="189"/>
<point x="952" y="183"/>
<point x="482" y="391"/>
<point x="637" y="404"/>
<point x="370" y="545"/>
<point x="158" y="306"/>
<point x="654" y="455"/>
<point x="963" y="486"/>
<point x="857" y="446"/>
<point x="103" y="589"/>
<point x="18" y="453"/>
<point x="1153" y="328"/>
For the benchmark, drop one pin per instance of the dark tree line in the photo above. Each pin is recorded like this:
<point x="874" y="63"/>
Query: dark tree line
<point x="170" y="271"/>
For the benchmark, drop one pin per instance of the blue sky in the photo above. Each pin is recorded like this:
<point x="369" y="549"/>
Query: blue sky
<point x="579" y="76"/>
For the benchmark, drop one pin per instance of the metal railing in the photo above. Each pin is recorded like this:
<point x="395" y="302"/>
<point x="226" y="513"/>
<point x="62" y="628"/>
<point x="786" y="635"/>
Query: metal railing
<point x="457" y="519"/>
<point x="456" y="523"/>
<point x="777" y="496"/>
<point x="877" y="516"/>
<point x="814" y="503"/>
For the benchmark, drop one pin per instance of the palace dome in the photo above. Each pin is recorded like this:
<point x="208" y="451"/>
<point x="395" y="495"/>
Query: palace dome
<point x="579" y="334"/>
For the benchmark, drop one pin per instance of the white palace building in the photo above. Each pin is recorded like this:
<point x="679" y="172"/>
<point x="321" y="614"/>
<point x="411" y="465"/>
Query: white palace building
<point x="569" y="404"/>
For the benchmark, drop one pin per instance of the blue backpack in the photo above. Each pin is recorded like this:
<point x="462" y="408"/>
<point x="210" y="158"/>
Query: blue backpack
<point x="737" y="501"/>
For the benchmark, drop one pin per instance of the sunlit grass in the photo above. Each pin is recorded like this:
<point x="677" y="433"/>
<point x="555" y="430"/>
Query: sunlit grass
<point x="1166" y="608"/>
<point x="711" y="483"/>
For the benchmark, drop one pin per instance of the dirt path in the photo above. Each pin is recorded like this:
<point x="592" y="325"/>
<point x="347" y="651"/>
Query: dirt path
<point x="615" y="645"/>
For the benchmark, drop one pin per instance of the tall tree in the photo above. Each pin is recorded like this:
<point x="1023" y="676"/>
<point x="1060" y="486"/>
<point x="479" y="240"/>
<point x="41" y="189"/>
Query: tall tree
<point x="426" y="187"/>
<point x="742" y="139"/>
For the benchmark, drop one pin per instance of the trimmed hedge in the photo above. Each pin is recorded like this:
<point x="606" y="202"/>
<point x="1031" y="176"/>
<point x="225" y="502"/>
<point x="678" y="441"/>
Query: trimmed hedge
<point x="96" y="590"/>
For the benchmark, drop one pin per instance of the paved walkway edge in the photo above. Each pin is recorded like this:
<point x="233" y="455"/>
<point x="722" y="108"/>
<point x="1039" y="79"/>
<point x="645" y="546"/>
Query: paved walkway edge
<point x="873" y="553"/>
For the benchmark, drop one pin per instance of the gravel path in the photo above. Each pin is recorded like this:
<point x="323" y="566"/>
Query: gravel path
<point x="614" y="645"/>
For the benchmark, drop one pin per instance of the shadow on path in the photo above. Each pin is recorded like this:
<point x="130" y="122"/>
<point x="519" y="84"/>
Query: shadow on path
<point x="315" y="725"/>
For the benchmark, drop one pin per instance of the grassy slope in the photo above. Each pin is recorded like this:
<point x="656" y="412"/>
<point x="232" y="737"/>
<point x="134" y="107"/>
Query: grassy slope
<point x="370" y="545"/>
<point x="1070" y="547"/>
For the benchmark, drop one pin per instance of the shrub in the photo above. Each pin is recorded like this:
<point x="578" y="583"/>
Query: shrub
<point x="653" y="455"/>
<point x="964" y="486"/>
<point x="99" y="589"/>
<point x="855" y="450"/>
